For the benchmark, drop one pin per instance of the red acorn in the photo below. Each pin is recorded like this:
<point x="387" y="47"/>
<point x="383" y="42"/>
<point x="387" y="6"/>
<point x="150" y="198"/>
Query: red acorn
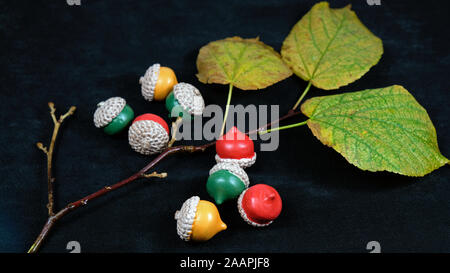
<point x="148" y="134"/>
<point x="259" y="205"/>
<point x="235" y="147"/>
<point x="154" y="118"/>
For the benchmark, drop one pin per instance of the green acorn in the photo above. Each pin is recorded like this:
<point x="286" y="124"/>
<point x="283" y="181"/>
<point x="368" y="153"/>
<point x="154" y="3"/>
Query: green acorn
<point x="226" y="181"/>
<point x="113" y="115"/>
<point x="185" y="101"/>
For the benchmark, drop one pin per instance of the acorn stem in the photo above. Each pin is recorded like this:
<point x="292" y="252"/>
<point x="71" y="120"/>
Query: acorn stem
<point x="230" y="92"/>
<point x="270" y="197"/>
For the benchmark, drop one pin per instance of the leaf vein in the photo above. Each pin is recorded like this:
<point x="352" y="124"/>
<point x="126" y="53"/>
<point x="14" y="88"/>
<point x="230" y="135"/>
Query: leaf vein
<point x="328" y="45"/>
<point x="360" y="140"/>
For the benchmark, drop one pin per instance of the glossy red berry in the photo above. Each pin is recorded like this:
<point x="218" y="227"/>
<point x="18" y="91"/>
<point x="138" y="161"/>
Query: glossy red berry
<point x="259" y="205"/>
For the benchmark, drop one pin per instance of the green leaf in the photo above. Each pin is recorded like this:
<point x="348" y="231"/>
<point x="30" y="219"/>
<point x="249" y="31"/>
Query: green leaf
<point x="247" y="64"/>
<point x="377" y="130"/>
<point x="331" y="47"/>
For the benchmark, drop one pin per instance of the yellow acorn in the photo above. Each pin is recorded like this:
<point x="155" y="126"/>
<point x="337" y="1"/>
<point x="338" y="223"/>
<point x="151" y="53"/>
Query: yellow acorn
<point x="157" y="82"/>
<point x="198" y="220"/>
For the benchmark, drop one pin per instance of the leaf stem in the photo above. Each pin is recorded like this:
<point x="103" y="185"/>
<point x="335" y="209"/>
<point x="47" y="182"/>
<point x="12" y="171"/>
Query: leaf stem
<point x="302" y="96"/>
<point x="283" y="127"/>
<point x="230" y="92"/>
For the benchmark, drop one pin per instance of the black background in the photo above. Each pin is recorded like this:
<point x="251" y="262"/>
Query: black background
<point x="80" y="55"/>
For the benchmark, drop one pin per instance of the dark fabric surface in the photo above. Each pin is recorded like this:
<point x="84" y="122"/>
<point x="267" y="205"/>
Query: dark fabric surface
<point x="80" y="55"/>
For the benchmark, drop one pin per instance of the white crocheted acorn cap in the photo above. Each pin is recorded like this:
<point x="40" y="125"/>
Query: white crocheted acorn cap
<point x="232" y="168"/>
<point x="244" y="215"/>
<point x="185" y="217"/>
<point x="147" y="137"/>
<point x="189" y="98"/>
<point x="107" y="110"/>
<point x="148" y="81"/>
<point x="243" y="162"/>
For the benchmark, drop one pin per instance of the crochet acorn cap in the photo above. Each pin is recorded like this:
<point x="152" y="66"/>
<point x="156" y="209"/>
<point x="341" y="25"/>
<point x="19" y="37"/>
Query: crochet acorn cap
<point x="148" y="81"/>
<point x="232" y="168"/>
<point x="185" y="217"/>
<point x="189" y="98"/>
<point x="243" y="162"/>
<point x="107" y="110"/>
<point x="147" y="137"/>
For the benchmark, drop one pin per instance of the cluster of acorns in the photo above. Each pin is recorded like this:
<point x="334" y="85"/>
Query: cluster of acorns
<point x="259" y="205"/>
<point x="149" y="133"/>
<point x="197" y="220"/>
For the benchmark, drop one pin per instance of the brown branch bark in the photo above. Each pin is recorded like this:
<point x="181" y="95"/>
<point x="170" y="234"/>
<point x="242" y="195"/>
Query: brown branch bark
<point x="84" y="201"/>
<point x="53" y="218"/>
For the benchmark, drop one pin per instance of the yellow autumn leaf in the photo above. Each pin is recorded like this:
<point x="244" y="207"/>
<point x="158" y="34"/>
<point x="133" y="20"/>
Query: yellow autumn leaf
<point x="247" y="64"/>
<point x="383" y="129"/>
<point x="331" y="47"/>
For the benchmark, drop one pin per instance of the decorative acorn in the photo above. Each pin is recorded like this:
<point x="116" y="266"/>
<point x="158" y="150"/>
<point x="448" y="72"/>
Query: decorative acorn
<point x="259" y="205"/>
<point x="157" y="82"/>
<point x="235" y="147"/>
<point x="226" y="181"/>
<point x="198" y="220"/>
<point x="149" y="134"/>
<point x="113" y="115"/>
<point x="185" y="101"/>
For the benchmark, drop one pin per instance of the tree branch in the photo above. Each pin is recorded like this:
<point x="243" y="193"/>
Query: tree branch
<point x="53" y="218"/>
<point x="84" y="201"/>
<point x="49" y="152"/>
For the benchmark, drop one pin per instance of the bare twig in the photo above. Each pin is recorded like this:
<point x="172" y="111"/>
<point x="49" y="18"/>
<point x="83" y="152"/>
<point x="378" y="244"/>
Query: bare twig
<point x="51" y="105"/>
<point x="42" y="147"/>
<point x="154" y="174"/>
<point x="49" y="152"/>
<point x="69" y="113"/>
<point x="175" y="126"/>
<point x="84" y="201"/>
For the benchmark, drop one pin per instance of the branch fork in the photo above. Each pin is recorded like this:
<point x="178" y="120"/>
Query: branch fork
<point x="49" y="152"/>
